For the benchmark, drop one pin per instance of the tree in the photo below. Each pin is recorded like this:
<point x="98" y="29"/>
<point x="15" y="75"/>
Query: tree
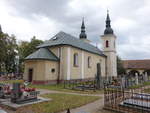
<point x="8" y="48"/>
<point x="25" y="48"/>
<point x="10" y="64"/>
<point x="2" y="50"/>
<point x="120" y="68"/>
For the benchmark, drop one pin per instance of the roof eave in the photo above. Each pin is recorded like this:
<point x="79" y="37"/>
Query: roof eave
<point x="42" y="59"/>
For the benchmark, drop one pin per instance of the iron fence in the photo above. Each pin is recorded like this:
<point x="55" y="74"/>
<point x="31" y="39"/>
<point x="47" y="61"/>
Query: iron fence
<point x="120" y="100"/>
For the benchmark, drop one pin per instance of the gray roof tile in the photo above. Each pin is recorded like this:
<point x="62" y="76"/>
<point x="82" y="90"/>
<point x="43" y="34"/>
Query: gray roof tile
<point x="42" y="54"/>
<point x="63" y="38"/>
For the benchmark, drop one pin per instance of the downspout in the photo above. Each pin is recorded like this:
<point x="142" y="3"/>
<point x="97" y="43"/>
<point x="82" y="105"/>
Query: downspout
<point x="59" y="51"/>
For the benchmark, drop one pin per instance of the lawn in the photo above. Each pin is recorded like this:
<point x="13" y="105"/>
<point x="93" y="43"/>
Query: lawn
<point x="146" y="90"/>
<point x="140" y="85"/>
<point x="60" y="102"/>
<point x="60" y="87"/>
<point x="11" y="81"/>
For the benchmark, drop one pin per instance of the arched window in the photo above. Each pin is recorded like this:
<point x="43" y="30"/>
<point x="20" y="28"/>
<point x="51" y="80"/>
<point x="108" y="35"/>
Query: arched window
<point x="75" y="59"/>
<point x="107" y="43"/>
<point x="89" y="62"/>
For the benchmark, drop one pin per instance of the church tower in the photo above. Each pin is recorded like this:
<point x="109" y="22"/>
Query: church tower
<point x="83" y="35"/>
<point x="109" y="49"/>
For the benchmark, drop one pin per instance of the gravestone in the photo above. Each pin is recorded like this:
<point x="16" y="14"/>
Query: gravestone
<point x="136" y="79"/>
<point x="123" y="82"/>
<point x="21" y="97"/>
<point x="16" y="92"/>
<point x="145" y="77"/>
<point x="98" y="77"/>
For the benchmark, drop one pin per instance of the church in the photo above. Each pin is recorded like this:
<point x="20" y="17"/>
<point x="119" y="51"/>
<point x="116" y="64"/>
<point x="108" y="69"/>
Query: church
<point x="65" y="57"/>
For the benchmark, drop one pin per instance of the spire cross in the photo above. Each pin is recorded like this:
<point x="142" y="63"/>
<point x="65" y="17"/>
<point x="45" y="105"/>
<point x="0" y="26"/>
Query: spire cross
<point x="83" y="26"/>
<point x="107" y="11"/>
<point x="82" y="19"/>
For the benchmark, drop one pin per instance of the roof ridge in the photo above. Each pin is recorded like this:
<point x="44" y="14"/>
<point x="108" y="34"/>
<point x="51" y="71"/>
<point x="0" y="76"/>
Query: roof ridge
<point x="77" y="39"/>
<point x="63" y="38"/>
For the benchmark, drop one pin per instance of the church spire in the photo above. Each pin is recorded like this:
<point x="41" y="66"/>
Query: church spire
<point x="82" y="34"/>
<point x="108" y="20"/>
<point x="108" y="29"/>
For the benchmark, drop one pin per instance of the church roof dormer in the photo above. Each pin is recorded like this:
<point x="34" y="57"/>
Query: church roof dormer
<point x="108" y="29"/>
<point x="83" y="34"/>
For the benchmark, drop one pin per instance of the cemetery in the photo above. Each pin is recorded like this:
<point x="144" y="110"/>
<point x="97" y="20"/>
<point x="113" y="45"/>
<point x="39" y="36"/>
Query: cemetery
<point x="13" y="98"/>
<point x="93" y="84"/>
<point x="126" y="93"/>
<point x="129" y="95"/>
<point x="17" y="95"/>
<point x="68" y="74"/>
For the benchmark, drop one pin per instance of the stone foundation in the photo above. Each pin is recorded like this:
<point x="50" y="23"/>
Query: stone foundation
<point x="38" y="82"/>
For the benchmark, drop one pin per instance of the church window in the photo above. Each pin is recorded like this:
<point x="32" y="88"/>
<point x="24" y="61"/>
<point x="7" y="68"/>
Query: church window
<point x="75" y="59"/>
<point x="89" y="62"/>
<point x="53" y="70"/>
<point x="107" y="43"/>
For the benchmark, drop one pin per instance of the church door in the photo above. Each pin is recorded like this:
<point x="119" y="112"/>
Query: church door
<point x="30" y="75"/>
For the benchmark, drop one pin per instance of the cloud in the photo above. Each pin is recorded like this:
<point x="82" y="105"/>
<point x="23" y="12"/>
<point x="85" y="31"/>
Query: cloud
<point x="130" y="21"/>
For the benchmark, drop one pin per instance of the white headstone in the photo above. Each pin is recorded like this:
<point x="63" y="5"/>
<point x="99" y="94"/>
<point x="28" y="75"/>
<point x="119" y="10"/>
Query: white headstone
<point x="136" y="78"/>
<point x="145" y="77"/>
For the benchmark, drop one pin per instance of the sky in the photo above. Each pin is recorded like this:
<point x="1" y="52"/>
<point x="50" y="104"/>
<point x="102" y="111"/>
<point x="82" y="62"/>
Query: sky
<point x="45" y="18"/>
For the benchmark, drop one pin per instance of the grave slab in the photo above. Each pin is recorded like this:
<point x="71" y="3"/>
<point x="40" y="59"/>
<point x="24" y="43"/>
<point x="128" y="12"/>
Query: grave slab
<point x="7" y="102"/>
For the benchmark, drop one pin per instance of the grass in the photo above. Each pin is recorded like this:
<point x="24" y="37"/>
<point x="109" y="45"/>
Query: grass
<point x="140" y="85"/>
<point x="136" y="86"/>
<point x="60" y="87"/>
<point x="147" y="90"/>
<point x="60" y="102"/>
<point x="11" y="81"/>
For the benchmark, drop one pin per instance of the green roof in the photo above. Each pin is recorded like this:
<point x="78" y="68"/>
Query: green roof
<point x="42" y="54"/>
<point x="63" y="38"/>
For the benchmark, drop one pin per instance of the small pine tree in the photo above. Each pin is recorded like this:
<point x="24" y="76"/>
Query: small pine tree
<point x="120" y="69"/>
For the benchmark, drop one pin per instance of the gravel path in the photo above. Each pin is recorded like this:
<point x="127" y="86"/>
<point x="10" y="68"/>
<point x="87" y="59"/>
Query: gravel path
<point x="44" y="91"/>
<point x="93" y="107"/>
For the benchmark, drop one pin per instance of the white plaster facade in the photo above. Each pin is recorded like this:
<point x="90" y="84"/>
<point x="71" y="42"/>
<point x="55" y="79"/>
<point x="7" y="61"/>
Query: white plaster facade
<point x="109" y="49"/>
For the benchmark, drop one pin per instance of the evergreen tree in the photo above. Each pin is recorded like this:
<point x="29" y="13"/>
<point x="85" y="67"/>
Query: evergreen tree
<point x="120" y="68"/>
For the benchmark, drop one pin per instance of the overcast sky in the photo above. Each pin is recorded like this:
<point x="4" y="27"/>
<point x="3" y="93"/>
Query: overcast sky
<point x="130" y="20"/>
